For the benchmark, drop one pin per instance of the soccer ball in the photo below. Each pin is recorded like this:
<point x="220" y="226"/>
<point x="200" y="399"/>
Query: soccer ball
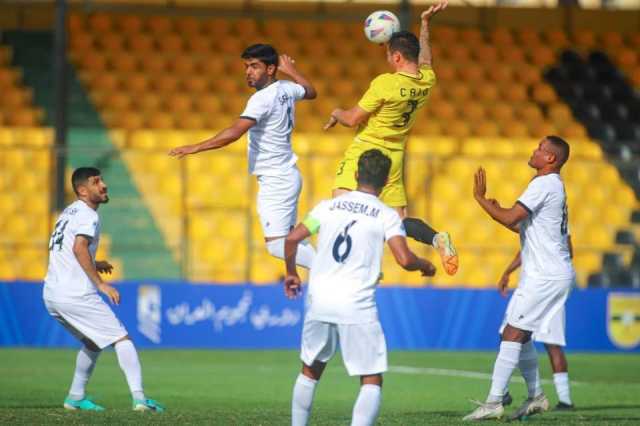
<point x="379" y="26"/>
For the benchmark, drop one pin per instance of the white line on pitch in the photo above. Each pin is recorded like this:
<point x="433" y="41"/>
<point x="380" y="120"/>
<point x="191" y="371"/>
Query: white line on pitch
<point x="403" y="369"/>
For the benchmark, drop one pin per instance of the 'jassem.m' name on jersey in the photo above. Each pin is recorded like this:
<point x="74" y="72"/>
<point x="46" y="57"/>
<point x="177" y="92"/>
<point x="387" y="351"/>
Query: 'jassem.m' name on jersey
<point x="355" y="207"/>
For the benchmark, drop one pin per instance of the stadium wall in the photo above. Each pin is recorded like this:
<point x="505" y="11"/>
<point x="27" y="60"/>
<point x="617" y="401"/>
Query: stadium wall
<point x="179" y="315"/>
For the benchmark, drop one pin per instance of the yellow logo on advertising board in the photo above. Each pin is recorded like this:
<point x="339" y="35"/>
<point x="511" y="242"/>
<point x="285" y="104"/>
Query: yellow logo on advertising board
<point x="624" y="319"/>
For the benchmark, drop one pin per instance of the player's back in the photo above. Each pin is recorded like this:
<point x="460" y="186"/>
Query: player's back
<point x="65" y="279"/>
<point x="352" y="231"/>
<point x="393" y="100"/>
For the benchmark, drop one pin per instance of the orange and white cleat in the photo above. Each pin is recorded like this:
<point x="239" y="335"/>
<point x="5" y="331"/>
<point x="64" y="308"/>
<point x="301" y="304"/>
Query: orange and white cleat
<point x="442" y="243"/>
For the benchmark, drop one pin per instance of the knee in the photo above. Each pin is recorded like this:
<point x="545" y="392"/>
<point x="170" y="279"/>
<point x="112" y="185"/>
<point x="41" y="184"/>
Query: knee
<point x="374" y="379"/>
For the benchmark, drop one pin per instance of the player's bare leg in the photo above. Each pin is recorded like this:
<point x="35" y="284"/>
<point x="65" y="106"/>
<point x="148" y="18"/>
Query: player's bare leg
<point x="304" y="391"/>
<point x="560" y="369"/>
<point x="420" y="231"/>
<point x="367" y="406"/>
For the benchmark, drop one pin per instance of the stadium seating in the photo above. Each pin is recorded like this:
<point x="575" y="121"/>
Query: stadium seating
<point x="158" y="82"/>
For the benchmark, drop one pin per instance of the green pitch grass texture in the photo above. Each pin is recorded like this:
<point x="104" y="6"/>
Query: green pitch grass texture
<point x="254" y="388"/>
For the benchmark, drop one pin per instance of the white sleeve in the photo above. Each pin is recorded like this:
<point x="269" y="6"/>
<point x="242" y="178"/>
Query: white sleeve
<point x="534" y="196"/>
<point x="297" y="91"/>
<point x="85" y="224"/>
<point x="257" y="108"/>
<point x="393" y="226"/>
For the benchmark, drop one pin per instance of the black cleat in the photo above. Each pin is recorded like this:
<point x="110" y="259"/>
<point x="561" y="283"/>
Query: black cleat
<point x="563" y="406"/>
<point x="506" y="399"/>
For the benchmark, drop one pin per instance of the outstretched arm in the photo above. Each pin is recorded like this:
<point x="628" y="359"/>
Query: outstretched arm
<point x="348" y="118"/>
<point x="224" y="138"/>
<point x="287" y="67"/>
<point x="425" y="57"/>
<point x="506" y="217"/>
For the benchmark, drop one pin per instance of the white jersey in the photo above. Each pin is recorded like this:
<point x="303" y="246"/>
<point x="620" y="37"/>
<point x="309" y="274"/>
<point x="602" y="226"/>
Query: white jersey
<point x="544" y="234"/>
<point x="352" y="231"/>
<point x="273" y="110"/>
<point x="66" y="281"/>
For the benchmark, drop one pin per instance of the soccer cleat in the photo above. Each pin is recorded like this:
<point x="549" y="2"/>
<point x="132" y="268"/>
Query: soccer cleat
<point x="147" y="405"/>
<point x="442" y="242"/>
<point x="485" y="411"/>
<point x="530" y="407"/>
<point x="507" y="399"/>
<point x="85" y="404"/>
<point x="563" y="406"/>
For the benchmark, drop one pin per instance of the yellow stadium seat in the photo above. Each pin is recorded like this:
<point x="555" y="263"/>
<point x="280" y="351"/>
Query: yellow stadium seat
<point x="159" y="25"/>
<point x="515" y="129"/>
<point x="171" y="43"/>
<point x="123" y="63"/>
<point x="544" y="94"/>
<point x="81" y="41"/>
<point x="502" y="36"/>
<point x="141" y="43"/>
<point x="111" y="42"/>
<point x="502" y="112"/>
<point x="556" y="39"/>
<point x="191" y="120"/>
<point x="100" y="23"/>
<point x="25" y="117"/>
<point x="161" y="120"/>
<point x="188" y="25"/>
<point x="513" y="56"/>
<point x="131" y="25"/>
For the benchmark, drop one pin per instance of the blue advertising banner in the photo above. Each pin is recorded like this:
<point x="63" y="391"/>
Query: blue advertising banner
<point x="181" y="315"/>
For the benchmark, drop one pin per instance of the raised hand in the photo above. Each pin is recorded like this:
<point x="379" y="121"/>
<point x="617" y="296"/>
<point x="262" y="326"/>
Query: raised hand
<point x="480" y="184"/>
<point x="433" y="10"/>
<point x="332" y="122"/>
<point x="287" y="65"/>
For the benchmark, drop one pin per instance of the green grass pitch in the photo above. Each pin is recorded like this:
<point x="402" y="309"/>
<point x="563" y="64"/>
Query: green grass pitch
<point x="254" y="388"/>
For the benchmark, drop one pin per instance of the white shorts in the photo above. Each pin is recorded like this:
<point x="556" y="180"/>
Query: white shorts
<point x="553" y="335"/>
<point x="92" y="319"/>
<point x="363" y="347"/>
<point x="535" y="303"/>
<point x="278" y="202"/>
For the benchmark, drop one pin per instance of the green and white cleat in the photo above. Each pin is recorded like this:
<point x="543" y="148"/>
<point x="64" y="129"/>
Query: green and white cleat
<point x="85" y="404"/>
<point x="147" y="405"/>
<point x="531" y="406"/>
<point x="485" y="411"/>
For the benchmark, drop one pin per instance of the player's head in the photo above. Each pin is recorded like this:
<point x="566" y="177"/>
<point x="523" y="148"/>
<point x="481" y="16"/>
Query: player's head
<point x="88" y="185"/>
<point x="260" y="64"/>
<point x="373" y="169"/>
<point x="403" y="46"/>
<point x="552" y="152"/>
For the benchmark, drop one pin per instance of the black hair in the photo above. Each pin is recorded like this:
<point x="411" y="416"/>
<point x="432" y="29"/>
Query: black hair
<point x="265" y="53"/>
<point x="562" y="146"/>
<point x="373" y="168"/>
<point x="81" y="175"/>
<point x="405" y="43"/>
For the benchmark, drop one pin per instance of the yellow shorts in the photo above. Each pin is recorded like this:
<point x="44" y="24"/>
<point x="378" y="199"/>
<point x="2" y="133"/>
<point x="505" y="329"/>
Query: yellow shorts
<point x="393" y="194"/>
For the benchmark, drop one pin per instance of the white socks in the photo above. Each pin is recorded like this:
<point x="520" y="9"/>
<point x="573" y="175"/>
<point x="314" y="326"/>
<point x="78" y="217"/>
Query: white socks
<point x="304" y="256"/>
<point x="561" y="380"/>
<point x="85" y="362"/>
<point x="365" y="410"/>
<point x="529" y="367"/>
<point x="506" y="362"/>
<point x="302" y="400"/>
<point x="130" y="365"/>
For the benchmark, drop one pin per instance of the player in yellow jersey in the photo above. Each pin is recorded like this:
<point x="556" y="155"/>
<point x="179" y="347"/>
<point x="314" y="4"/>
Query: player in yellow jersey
<point x="384" y="117"/>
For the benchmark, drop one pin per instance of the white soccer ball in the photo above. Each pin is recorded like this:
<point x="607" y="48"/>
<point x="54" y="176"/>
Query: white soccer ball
<point x="380" y="25"/>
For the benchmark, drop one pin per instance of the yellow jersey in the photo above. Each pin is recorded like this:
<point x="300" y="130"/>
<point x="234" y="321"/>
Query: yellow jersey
<point x="392" y="100"/>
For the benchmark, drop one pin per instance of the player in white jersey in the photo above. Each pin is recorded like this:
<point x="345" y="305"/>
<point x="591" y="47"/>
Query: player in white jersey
<point x="341" y="309"/>
<point x="540" y="218"/>
<point x="551" y="334"/>
<point x="71" y="294"/>
<point x="269" y="118"/>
